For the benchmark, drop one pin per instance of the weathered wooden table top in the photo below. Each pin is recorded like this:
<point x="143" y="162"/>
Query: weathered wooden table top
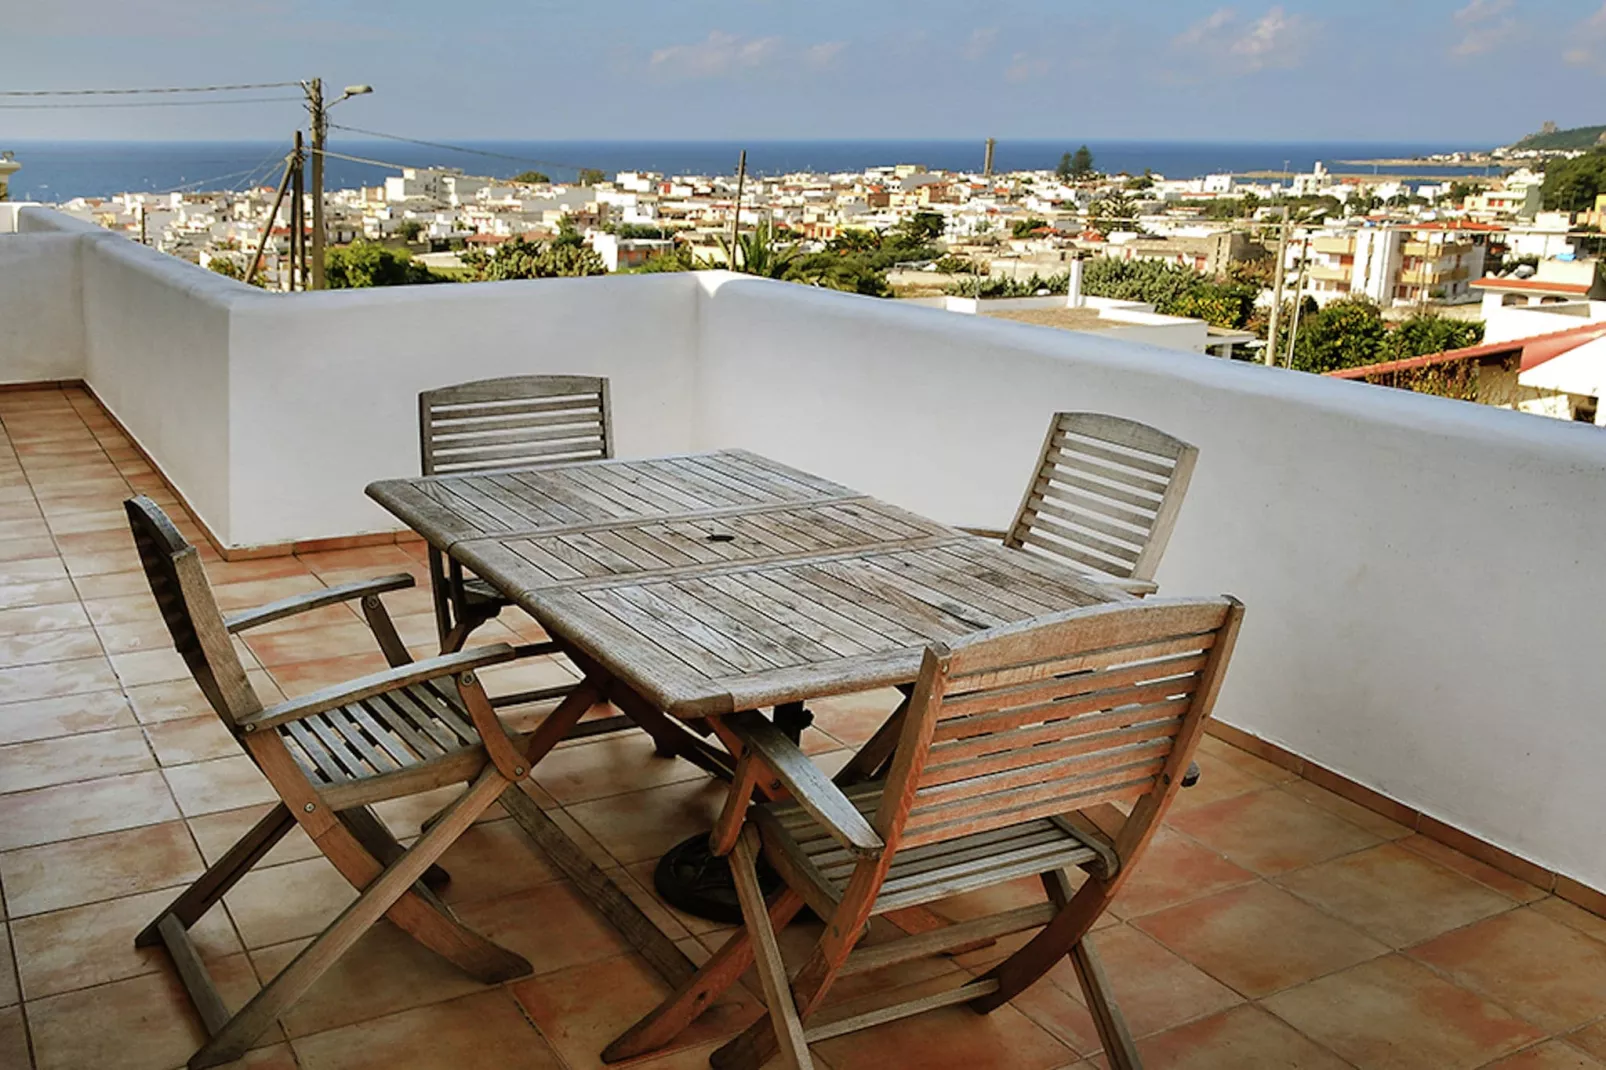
<point x="726" y="581"/>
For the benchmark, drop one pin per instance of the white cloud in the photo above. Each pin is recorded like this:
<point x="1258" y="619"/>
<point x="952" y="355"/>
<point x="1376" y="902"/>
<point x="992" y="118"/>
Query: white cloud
<point x="979" y="43"/>
<point x="715" y="56"/>
<point x="1588" y="47"/>
<point x="823" y="54"/>
<point x="1483" y="27"/>
<point x="1024" y="67"/>
<point x="1275" y="40"/>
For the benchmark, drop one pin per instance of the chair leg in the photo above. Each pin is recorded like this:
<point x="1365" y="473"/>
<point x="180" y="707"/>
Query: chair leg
<point x="771" y="966"/>
<point x="425" y="918"/>
<point x="377" y="840"/>
<point x="1119" y="1049"/>
<point x="223" y="874"/>
<point x="719" y="973"/>
<point x="232" y="1041"/>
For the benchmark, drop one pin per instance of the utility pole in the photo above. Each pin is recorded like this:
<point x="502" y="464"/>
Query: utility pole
<point x="320" y="130"/>
<point x="298" y="219"/>
<point x="273" y="216"/>
<point x="142" y="237"/>
<point x="1270" y="352"/>
<point x="1299" y="300"/>
<point x="736" y="216"/>
<point x="987" y="161"/>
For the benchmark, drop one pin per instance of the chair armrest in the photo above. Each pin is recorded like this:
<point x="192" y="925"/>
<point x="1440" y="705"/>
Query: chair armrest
<point x="1141" y="588"/>
<point x="302" y="603"/>
<point x="986" y="533"/>
<point x="812" y="789"/>
<point x="378" y="683"/>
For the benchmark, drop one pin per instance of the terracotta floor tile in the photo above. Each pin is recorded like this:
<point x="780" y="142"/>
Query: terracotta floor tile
<point x="193" y="739"/>
<point x="27" y="549"/>
<point x="1482" y="872"/>
<point x="216" y="833"/>
<point x="1175" y="869"/>
<point x="135" y="637"/>
<point x="1259" y="939"/>
<point x="55" y="876"/>
<point x="283" y="903"/>
<point x="273" y="649"/>
<point x="552" y="925"/>
<point x="51" y="717"/>
<point x="68" y="759"/>
<point x="1572" y="916"/>
<point x="262" y="568"/>
<point x="1591" y="1038"/>
<point x="35" y="571"/>
<point x="641" y="885"/>
<point x="645" y="824"/>
<point x="609" y="765"/>
<point x="1271" y="831"/>
<point x="853" y="719"/>
<point x="1395" y="895"/>
<point x="485" y="1029"/>
<point x="10" y="991"/>
<point x="219" y="784"/>
<point x="31" y="620"/>
<point x="300" y="677"/>
<point x="1356" y="814"/>
<point x="13" y="1040"/>
<point x="1218" y="780"/>
<point x="580" y="1010"/>
<point x="1155" y="988"/>
<point x="143" y="1023"/>
<point x="170" y="700"/>
<point x="94" y="944"/>
<point x="384" y="972"/>
<point x="1394" y="1014"/>
<point x="150" y="666"/>
<point x="70" y="810"/>
<point x="1051" y="1006"/>
<point x="376" y="559"/>
<point x="42" y="647"/>
<point x="492" y="860"/>
<point x="136" y="608"/>
<point x="1550" y="974"/>
<point x="1244" y="1038"/>
<point x="953" y="1038"/>
<point x="1551" y="1055"/>
<point x="527" y="674"/>
<point x="58" y="678"/>
<point x="14" y="595"/>
<point x="233" y="597"/>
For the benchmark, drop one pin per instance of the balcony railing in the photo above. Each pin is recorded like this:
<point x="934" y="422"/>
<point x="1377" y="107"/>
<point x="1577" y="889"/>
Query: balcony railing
<point x="1433" y="564"/>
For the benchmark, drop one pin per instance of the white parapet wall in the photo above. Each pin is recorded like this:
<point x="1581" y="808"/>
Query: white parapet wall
<point x="1426" y="597"/>
<point x="1425" y="589"/>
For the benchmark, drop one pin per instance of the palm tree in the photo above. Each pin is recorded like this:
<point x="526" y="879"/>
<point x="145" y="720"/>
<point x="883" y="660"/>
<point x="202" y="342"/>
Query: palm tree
<point x="759" y="253"/>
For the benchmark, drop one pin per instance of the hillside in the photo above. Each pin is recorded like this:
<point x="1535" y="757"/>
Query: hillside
<point x="1579" y="137"/>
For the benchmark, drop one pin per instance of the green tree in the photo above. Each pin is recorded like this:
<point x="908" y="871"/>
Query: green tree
<point x="1572" y="185"/>
<point x="854" y="240"/>
<point x="1346" y="333"/>
<point x="1024" y="228"/>
<point x="566" y="256"/>
<point x="363" y="264"/>
<point x="222" y="265"/>
<point x="590" y="176"/>
<point x="1429" y="333"/>
<point x="1175" y="290"/>
<point x="1111" y="212"/>
<point x="922" y="228"/>
<point x="1076" y="166"/>
<point x="760" y="252"/>
<point x="532" y="178"/>
<point x="678" y="257"/>
<point x="409" y="229"/>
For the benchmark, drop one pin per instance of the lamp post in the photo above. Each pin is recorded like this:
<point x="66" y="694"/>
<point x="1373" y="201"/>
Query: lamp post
<point x="320" y="133"/>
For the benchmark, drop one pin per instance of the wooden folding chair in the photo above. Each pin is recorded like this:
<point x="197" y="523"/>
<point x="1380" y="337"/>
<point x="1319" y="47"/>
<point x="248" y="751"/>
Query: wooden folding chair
<point x="517" y="421"/>
<point x="330" y="755"/>
<point x="1013" y="740"/>
<point x="1104" y="499"/>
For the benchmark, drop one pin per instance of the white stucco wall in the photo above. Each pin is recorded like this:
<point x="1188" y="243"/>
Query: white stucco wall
<point x="1423" y="580"/>
<point x="325" y="386"/>
<point x="41" y="307"/>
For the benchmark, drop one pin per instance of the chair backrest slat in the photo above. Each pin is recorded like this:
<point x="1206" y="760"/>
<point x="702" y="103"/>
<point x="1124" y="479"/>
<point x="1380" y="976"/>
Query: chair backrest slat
<point x="1051" y="716"/>
<point x="184" y="596"/>
<point x="514" y="421"/>
<point x="1105" y="496"/>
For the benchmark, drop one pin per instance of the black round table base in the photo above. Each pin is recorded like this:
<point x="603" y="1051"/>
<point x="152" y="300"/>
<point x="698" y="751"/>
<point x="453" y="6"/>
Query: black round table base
<point x="690" y="878"/>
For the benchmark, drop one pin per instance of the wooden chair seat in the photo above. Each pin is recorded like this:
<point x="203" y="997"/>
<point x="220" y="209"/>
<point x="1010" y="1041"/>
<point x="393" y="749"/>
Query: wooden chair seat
<point x="795" y="841"/>
<point x="384" y="734"/>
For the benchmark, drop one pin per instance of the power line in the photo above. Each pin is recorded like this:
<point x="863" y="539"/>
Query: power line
<point x="155" y="103"/>
<point x="457" y="148"/>
<point x="361" y="159"/>
<point x="126" y="92"/>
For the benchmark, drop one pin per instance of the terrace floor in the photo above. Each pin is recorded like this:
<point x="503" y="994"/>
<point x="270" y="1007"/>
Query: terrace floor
<point x="1272" y="924"/>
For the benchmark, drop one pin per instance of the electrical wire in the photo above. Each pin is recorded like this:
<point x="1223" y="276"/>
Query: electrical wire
<point x="127" y="92"/>
<point x="155" y="103"/>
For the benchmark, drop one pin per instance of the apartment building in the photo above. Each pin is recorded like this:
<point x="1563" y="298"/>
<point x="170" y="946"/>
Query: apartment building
<point x="1393" y="265"/>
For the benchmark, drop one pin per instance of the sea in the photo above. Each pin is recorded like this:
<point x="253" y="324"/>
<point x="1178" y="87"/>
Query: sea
<point x="55" y="171"/>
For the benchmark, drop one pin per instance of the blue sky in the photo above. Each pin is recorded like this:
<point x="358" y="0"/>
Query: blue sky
<point x="1474" y="71"/>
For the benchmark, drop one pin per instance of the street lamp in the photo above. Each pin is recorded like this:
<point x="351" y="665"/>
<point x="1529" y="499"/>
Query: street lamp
<point x="320" y="133"/>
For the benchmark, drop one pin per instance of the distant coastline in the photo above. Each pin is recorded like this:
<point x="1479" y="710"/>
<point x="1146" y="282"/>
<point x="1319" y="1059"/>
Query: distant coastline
<point x="60" y="170"/>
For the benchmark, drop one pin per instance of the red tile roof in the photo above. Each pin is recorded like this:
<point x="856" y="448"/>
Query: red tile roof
<point x="1532" y="352"/>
